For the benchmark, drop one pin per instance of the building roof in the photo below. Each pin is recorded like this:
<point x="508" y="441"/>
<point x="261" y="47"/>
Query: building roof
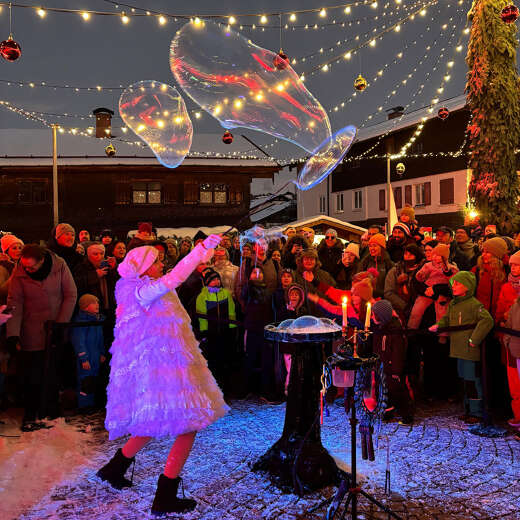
<point x="408" y="119"/>
<point x="325" y="219"/>
<point x="34" y="148"/>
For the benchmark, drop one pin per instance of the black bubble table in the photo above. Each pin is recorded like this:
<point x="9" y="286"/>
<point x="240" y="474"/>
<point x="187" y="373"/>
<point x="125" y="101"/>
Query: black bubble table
<point x="298" y="462"/>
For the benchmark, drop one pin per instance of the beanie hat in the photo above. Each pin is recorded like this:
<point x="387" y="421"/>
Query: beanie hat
<point x="106" y="233"/>
<point x="86" y="300"/>
<point x="515" y="259"/>
<point x="363" y="289"/>
<point x="378" y="239"/>
<point x="466" y="230"/>
<point x="145" y="227"/>
<point x="416" y="251"/>
<point x="137" y="261"/>
<point x="208" y="275"/>
<point x="332" y="232"/>
<point x="404" y="228"/>
<point x="383" y="310"/>
<point x="8" y="240"/>
<point x="442" y="250"/>
<point x="496" y="246"/>
<point x="352" y="248"/>
<point x="408" y="210"/>
<point x="63" y="228"/>
<point x="309" y="252"/>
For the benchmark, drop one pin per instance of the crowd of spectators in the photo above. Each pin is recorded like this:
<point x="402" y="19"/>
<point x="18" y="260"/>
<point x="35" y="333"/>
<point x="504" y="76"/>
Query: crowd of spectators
<point x="414" y="284"/>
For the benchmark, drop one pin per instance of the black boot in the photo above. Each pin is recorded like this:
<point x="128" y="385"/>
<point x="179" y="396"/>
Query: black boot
<point x="166" y="500"/>
<point x="114" y="470"/>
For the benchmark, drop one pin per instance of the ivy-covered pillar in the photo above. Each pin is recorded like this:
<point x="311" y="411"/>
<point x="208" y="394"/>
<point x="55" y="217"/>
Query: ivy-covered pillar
<point x="493" y="97"/>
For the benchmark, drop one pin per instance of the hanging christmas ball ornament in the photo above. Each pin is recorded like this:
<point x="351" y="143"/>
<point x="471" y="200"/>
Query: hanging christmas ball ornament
<point x="360" y="84"/>
<point x="509" y="14"/>
<point x="400" y="168"/>
<point x="110" y="150"/>
<point x="443" y="113"/>
<point x="10" y="50"/>
<point x="227" y="138"/>
<point x="281" y="60"/>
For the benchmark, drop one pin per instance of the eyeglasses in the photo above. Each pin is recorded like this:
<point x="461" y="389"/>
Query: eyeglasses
<point x="330" y="238"/>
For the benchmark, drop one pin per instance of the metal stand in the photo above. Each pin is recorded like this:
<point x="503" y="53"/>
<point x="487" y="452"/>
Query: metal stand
<point x="349" y="485"/>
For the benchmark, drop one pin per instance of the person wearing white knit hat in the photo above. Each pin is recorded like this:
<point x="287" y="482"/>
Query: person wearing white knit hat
<point x="12" y="246"/>
<point x="160" y="384"/>
<point x="11" y="252"/>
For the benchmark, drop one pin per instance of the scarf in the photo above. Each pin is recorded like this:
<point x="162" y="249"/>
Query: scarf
<point x="515" y="282"/>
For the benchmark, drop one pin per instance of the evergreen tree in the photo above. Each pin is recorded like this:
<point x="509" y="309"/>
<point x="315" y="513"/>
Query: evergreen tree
<point x="493" y="98"/>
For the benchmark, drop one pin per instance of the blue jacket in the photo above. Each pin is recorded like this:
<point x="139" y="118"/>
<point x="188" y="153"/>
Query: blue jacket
<point x="88" y="342"/>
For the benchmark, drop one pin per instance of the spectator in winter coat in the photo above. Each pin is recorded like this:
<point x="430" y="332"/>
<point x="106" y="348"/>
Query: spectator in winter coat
<point x="143" y="237"/>
<point x="83" y="236"/>
<point x="379" y="259"/>
<point x="399" y="239"/>
<point x="217" y="334"/>
<point x="308" y="233"/>
<point x="11" y="252"/>
<point x="185" y="246"/>
<point x="90" y="350"/>
<point x="117" y="249"/>
<point x="279" y="298"/>
<point x="467" y="251"/>
<point x="172" y="254"/>
<point x="106" y="237"/>
<point x="512" y="344"/>
<point x="227" y="271"/>
<point x="444" y="235"/>
<point x="62" y="243"/>
<point x="235" y="253"/>
<point x="349" y="266"/>
<point x="294" y="246"/>
<point x="401" y="286"/>
<point x="42" y="289"/>
<point x="97" y="275"/>
<point x="407" y="217"/>
<point x="391" y="349"/>
<point x="309" y="275"/>
<point x="330" y="251"/>
<point x="465" y="309"/>
<point x="434" y="273"/>
<point x="509" y="294"/>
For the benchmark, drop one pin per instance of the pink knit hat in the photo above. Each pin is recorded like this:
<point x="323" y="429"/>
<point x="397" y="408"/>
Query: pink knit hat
<point x="137" y="261"/>
<point x="8" y="240"/>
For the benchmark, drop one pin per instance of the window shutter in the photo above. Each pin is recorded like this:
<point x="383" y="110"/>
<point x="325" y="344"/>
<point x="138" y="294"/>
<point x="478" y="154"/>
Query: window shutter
<point x="408" y="194"/>
<point x="427" y="193"/>
<point x="398" y="196"/>
<point x="122" y="193"/>
<point x="382" y="200"/>
<point x="191" y="192"/>
<point x="447" y="195"/>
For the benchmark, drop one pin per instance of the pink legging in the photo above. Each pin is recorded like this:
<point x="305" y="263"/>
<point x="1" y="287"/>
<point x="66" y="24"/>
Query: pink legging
<point x="177" y="457"/>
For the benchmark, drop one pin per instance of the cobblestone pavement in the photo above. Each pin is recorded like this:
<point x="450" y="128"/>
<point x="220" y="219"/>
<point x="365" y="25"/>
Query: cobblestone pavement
<point x="438" y="471"/>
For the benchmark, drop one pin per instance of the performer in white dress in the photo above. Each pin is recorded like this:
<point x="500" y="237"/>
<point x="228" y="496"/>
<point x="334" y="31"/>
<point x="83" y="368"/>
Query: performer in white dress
<point x="160" y="383"/>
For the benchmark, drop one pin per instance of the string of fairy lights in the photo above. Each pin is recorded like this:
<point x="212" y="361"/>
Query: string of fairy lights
<point x="395" y="90"/>
<point x="412" y="11"/>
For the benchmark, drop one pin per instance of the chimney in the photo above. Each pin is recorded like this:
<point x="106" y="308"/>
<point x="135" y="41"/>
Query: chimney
<point x="395" y="112"/>
<point x="103" y="122"/>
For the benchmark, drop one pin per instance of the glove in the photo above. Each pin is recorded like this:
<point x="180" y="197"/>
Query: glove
<point x="212" y="241"/>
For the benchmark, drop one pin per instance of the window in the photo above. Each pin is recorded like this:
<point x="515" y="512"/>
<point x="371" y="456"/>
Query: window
<point x="423" y="194"/>
<point x="32" y="192"/>
<point x="382" y="200"/>
<point x="339" y="202"/>
<point x="191" y="192"/>
<point x="212" y="193"/>
<point x="323" y="204"/>
<point x="398" y="197"/>
<point x="447" y="192"/>
<point x="146" y="193"/>
<point x="408" y="195"/>
<point x="358" y="199"/>
<point x="235" y="195"/>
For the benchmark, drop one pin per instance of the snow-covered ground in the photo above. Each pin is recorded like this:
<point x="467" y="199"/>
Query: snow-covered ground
<point x="438" y="470"/>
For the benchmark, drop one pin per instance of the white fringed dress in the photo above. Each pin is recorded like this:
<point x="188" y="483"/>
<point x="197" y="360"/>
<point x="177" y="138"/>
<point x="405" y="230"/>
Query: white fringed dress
<point x="160" y="383"/>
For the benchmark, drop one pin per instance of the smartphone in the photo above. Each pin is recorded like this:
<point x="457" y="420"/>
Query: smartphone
<point x="104" y="264"/>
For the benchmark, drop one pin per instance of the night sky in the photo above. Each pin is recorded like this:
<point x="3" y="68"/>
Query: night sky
<point x="63" y="49"/>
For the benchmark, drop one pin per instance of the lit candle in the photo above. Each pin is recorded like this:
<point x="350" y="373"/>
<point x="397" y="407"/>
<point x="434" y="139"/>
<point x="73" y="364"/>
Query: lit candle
<point x="367" y="317"/>
<point x="344" y="310"/>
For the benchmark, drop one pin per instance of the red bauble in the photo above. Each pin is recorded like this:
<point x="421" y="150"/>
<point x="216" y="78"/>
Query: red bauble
<point x="281" y="60"/>
<point x="509" y="14"/>
<point x="10" y="50"/>
<point x="443" y="113"/>
<point x="227" y="138"/>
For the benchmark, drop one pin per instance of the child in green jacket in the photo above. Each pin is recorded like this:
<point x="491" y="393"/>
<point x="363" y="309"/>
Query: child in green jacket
<point x="465" y="309"/>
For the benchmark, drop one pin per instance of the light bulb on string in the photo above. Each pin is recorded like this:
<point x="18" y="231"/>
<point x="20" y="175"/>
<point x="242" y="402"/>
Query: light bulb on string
<point x="85" y="16"/>
<point x="41" y="12"/>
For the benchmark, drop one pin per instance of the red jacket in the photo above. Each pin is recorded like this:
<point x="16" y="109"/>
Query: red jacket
<point x="488" y="291"/>
<point x="507" y="297"/>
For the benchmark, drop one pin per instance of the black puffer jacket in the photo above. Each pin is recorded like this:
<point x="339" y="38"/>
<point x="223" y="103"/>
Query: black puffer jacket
<point x="330" y="257"/>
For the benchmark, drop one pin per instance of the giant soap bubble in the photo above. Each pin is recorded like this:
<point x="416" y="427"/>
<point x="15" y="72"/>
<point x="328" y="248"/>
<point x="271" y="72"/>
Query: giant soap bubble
<point x="239" y="84"/>
<point x="157" y="113"/>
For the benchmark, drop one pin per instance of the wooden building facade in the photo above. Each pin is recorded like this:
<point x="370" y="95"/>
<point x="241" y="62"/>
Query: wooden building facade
<point x="117" y="193"/>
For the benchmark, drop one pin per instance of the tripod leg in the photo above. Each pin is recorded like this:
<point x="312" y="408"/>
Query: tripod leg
<point x="370" y="443"/>
<point x="380" y="505"/>
<point x="338" y="498"/>
<point x="345" y="510"/>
